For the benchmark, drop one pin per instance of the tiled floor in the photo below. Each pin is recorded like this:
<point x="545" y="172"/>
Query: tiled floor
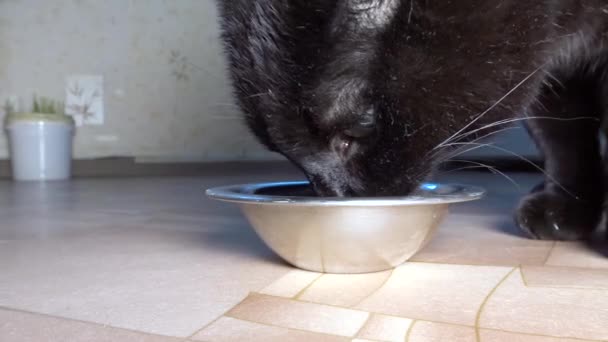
<point x="153" y="260"/>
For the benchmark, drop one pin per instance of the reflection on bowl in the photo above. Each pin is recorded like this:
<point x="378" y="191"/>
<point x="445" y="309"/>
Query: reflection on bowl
<point x="343" y="235"/>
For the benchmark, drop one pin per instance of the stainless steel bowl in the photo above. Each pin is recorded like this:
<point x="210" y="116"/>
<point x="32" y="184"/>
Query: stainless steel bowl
<point x="343" y="235"/>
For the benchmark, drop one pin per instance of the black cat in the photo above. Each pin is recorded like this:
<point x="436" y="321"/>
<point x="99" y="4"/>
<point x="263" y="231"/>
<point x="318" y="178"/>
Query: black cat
<point x="368" y="96"/>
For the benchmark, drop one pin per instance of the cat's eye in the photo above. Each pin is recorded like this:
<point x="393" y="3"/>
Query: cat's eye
<point x="362" y="128"/>
<point x="343" y="145"/>
<point x="349" y="141"/>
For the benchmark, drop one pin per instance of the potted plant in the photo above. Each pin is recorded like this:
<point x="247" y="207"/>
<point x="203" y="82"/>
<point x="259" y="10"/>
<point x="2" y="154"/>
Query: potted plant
<point x="40" y="140"/>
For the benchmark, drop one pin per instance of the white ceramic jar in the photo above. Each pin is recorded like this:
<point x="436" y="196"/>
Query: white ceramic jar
<point x="40" y="146"/>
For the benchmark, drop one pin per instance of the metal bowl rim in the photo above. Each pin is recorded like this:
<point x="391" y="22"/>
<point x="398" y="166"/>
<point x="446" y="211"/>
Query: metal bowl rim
<point x="245" y="194"/>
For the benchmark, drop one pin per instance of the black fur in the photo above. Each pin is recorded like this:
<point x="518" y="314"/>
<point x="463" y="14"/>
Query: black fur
<point x="368" y="102"/>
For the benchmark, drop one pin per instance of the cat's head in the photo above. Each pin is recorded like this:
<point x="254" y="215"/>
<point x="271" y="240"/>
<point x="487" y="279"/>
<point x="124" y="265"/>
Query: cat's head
<point x="360" y="94"/>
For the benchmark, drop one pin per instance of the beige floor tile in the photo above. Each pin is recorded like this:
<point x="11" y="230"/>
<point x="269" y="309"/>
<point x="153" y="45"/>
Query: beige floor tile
<point x="344" y="289"/>
<point x="160" y="282"/>
<point x="482" y="241"/>
<point x="445" y="293"/>
<point x="575" y="254"/>
<point x="228" y="329"/>
<point x="291" y="284"/>
<point x="548" y="276"/>
<point x="16" y="326"/>
<point x="298" y="315"/>
<point x="561" y="312"/>
<point x="385" y="328"/>
<point x="437" y="332"/>
<point x="501" y="336"/>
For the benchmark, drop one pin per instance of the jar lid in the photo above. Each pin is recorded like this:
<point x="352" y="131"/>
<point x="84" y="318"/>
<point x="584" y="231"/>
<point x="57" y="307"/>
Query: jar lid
<point x="38" y="117"/>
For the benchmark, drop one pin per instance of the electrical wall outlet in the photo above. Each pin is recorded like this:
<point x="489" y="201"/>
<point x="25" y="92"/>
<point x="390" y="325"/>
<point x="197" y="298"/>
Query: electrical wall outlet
<point x="84" y="99"/>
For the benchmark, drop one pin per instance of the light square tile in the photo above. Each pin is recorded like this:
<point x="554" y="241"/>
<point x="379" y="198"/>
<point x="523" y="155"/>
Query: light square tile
<point x="228" y="329"/>
<point x="576" y="254"/>
<point x="159" y="281"/>
<point x="445" y="293"/>
<point x="344" y="289"/>
<point x="16" y="326"/>
<point x="502" y="336"/>
<point x="438" y="332"/>
<point x="299" y="315"/>
<point x="385" y="328"/>
<point x="582" y="278"/>
<point x="482" y="241"/>
<point x="560" y="312"/>
<point x="291" y="284"/>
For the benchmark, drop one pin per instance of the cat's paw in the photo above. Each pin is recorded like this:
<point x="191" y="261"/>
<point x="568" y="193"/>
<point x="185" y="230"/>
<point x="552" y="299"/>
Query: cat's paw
<point x="549" y="216"/>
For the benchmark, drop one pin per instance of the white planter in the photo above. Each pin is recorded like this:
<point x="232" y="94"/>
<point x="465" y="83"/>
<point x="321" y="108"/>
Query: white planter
<point x="40" y="146"/>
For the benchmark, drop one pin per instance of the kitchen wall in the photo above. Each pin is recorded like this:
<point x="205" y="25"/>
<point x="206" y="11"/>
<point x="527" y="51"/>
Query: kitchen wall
<point x="166" y="94"/>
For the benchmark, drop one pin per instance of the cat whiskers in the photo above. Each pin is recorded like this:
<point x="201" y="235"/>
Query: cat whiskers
<point x="457" y="141"/>
<point x="438" y="150"/>
<point x="478" y="117"/>
<point x="463" y="168"/>
<point x="521" y="158"/>
<point x="512" y="120"/>
<point x="491" y="168"/>
<point x="451" y="154"/>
